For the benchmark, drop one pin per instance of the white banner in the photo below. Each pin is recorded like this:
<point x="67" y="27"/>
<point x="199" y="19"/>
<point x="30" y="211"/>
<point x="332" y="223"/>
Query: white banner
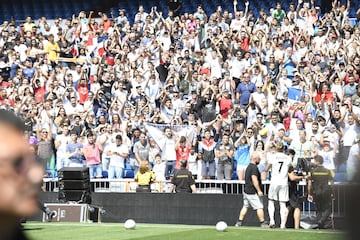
<point x="156" y="131"/>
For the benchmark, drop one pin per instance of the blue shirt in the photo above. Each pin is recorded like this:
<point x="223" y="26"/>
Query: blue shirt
<point x="242" y="155"/>
<point x="245" y="90"/>
<point x="70" y="148"/>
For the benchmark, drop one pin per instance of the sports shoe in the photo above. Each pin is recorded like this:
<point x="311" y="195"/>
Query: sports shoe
<point x="50" y="216"/>
<point x="238" y="224"/>
<point x="264" y="225"/>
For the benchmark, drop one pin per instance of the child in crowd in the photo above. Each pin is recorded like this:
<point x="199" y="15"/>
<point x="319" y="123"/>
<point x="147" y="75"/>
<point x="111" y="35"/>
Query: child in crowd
<point x="159" y="171"/>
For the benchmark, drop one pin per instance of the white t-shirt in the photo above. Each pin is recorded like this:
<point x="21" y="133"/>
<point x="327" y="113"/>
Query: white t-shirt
<point x="279" y="170"/>
<point x="168" y="149"/>
<point x="159" y="171"/>
<point x="350" y="132"/>
<point x="115" y="160"/>
<point x="193" y="166"/>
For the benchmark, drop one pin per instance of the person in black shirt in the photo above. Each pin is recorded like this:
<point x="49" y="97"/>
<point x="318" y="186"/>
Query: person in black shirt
<point x="295" y="196"/>
<point x="252" y="192"/>
<point x="183" y="180"/>
<point x="320" y="191"/>
<point x="174" y="6"/>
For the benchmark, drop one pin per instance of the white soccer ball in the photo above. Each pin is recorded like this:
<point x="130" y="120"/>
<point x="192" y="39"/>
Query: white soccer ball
<point x="130" y="224"/>
<point x="221" y="226"/>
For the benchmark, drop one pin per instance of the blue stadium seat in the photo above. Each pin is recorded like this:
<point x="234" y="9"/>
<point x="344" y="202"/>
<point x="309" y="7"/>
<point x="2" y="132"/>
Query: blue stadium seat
<point x="105" y="174"/>
<point x="128" y="173"/>
<point x="340" y="177"/>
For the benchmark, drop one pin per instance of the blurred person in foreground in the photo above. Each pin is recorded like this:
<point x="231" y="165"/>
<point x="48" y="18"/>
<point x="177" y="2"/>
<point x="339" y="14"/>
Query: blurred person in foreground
<point x="21" y="177"/>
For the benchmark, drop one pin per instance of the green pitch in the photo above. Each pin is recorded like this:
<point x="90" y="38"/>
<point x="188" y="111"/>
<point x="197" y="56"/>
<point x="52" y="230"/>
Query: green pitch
<point x="114" y="231"/>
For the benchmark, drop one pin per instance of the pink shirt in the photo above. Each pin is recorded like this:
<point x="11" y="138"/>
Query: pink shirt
<point x="92" y="154"/>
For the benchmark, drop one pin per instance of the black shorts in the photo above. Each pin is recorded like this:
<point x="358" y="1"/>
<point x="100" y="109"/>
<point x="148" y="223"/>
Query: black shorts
<point x="295" y="201"/>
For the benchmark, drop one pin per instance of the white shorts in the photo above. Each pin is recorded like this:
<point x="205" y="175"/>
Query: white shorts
<point x="253" y="200"/>
<point x="278" y="193"/>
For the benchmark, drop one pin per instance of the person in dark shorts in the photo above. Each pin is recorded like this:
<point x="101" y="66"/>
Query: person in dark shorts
<point x="183" y="180"/>
<point x="252" y="192"/>
<point x="296" y="197"/>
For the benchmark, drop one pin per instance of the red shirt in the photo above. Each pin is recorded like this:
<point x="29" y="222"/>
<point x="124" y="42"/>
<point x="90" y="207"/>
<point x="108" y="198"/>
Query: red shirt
<point x="245" y="43"/>
<point x="4" y="84"/>
<point x="328" y="96"/>
<point x="39" y="94"/>
<point x="225" y="106"/>
<point x="83" y="93"/>
<point x="182" y="153"/>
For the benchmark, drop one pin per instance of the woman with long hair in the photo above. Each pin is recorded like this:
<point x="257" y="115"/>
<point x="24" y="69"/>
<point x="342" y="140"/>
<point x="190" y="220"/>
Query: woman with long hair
<point x="144" y="177"/>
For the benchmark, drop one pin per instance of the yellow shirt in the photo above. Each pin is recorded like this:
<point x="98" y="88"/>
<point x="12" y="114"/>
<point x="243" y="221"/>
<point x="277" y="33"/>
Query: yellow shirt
<point x="28" y="26"/>
<point x="52" y="50"/>
<point x="145" y="178"/>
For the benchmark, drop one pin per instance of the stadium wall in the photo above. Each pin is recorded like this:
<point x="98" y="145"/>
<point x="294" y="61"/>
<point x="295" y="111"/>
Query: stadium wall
<point x="166" y="208"/>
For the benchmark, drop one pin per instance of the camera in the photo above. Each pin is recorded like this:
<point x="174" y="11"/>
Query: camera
<point x="304" y="165"/>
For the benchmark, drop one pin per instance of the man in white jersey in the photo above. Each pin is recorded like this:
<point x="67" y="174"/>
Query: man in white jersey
<point x="279" y="164"/>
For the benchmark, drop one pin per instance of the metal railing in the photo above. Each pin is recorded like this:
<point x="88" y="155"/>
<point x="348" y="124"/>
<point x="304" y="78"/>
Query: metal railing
<point x="203" y="186"/>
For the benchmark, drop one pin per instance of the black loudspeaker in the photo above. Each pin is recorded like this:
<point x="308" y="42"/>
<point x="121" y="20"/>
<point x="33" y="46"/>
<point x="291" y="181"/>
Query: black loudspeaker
<point x="74" y="173"/>
<point x="80" y="196"/>
<point x="74" y="185"/>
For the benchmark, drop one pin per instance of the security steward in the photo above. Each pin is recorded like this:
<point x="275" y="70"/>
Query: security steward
<point x="183" y="180"/>
<point x="320" y="190"/>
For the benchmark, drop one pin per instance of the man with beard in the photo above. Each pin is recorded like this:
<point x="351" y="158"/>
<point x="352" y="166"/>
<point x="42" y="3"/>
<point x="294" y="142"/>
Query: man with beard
<point x="252" y="192"/>
<point x="142" y="148"/>
<point x="167" y="145"/>
<point x="224" y="152"/>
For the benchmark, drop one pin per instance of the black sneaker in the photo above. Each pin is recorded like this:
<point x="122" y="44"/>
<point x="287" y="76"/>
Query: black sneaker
<point x="238" y="224"/>
<point x="50" y="216"/>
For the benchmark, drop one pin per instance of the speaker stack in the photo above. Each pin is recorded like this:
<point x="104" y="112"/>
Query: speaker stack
<point x="74" y="185"/>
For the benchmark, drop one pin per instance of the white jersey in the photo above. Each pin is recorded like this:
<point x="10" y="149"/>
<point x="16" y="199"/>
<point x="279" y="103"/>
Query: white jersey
<point x="279" y="170"/>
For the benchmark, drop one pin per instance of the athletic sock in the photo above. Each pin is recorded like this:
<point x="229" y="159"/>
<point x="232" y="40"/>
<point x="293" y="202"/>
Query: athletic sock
<point x="271" y="210"/>
<point x="283" y="214"/>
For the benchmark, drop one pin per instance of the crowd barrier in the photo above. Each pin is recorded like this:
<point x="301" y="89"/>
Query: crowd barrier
<point x="206" y="187"/>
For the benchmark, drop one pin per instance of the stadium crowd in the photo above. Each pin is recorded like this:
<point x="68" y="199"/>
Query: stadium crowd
<point x="87" y="87"/>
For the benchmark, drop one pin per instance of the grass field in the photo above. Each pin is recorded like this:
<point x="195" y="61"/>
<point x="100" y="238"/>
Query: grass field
<point x="114" y="231"/>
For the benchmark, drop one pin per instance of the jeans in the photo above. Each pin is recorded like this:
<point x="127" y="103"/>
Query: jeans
<point x="115" y="172"/>
<point x="170" y="168"/>
<point x="224" y="170"/>
<point x="95" y="170"/>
